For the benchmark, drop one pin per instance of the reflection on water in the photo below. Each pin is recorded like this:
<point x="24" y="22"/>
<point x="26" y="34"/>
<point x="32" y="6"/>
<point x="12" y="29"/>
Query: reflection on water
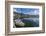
<point x="35" y="21"/>
<point x="27" y="22"/>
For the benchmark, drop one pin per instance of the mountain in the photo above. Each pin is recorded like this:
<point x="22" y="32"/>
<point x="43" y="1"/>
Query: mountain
<point x="25" y="15"/>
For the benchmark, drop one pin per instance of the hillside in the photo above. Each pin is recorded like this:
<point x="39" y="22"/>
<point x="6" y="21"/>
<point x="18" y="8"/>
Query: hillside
<point x="22" y="15"/>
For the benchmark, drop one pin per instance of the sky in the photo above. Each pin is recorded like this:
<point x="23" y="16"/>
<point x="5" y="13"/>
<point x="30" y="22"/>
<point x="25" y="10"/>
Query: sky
<point x="29" y="11"/>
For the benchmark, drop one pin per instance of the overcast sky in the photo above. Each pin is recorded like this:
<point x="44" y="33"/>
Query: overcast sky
<point x="30" y="11"/>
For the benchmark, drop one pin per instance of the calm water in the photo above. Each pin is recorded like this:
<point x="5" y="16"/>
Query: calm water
<point x="35" y="21"/>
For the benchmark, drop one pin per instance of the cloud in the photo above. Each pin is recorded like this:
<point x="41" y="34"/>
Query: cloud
<point x="32" y="13"/>
<point x="29" y="11"/>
